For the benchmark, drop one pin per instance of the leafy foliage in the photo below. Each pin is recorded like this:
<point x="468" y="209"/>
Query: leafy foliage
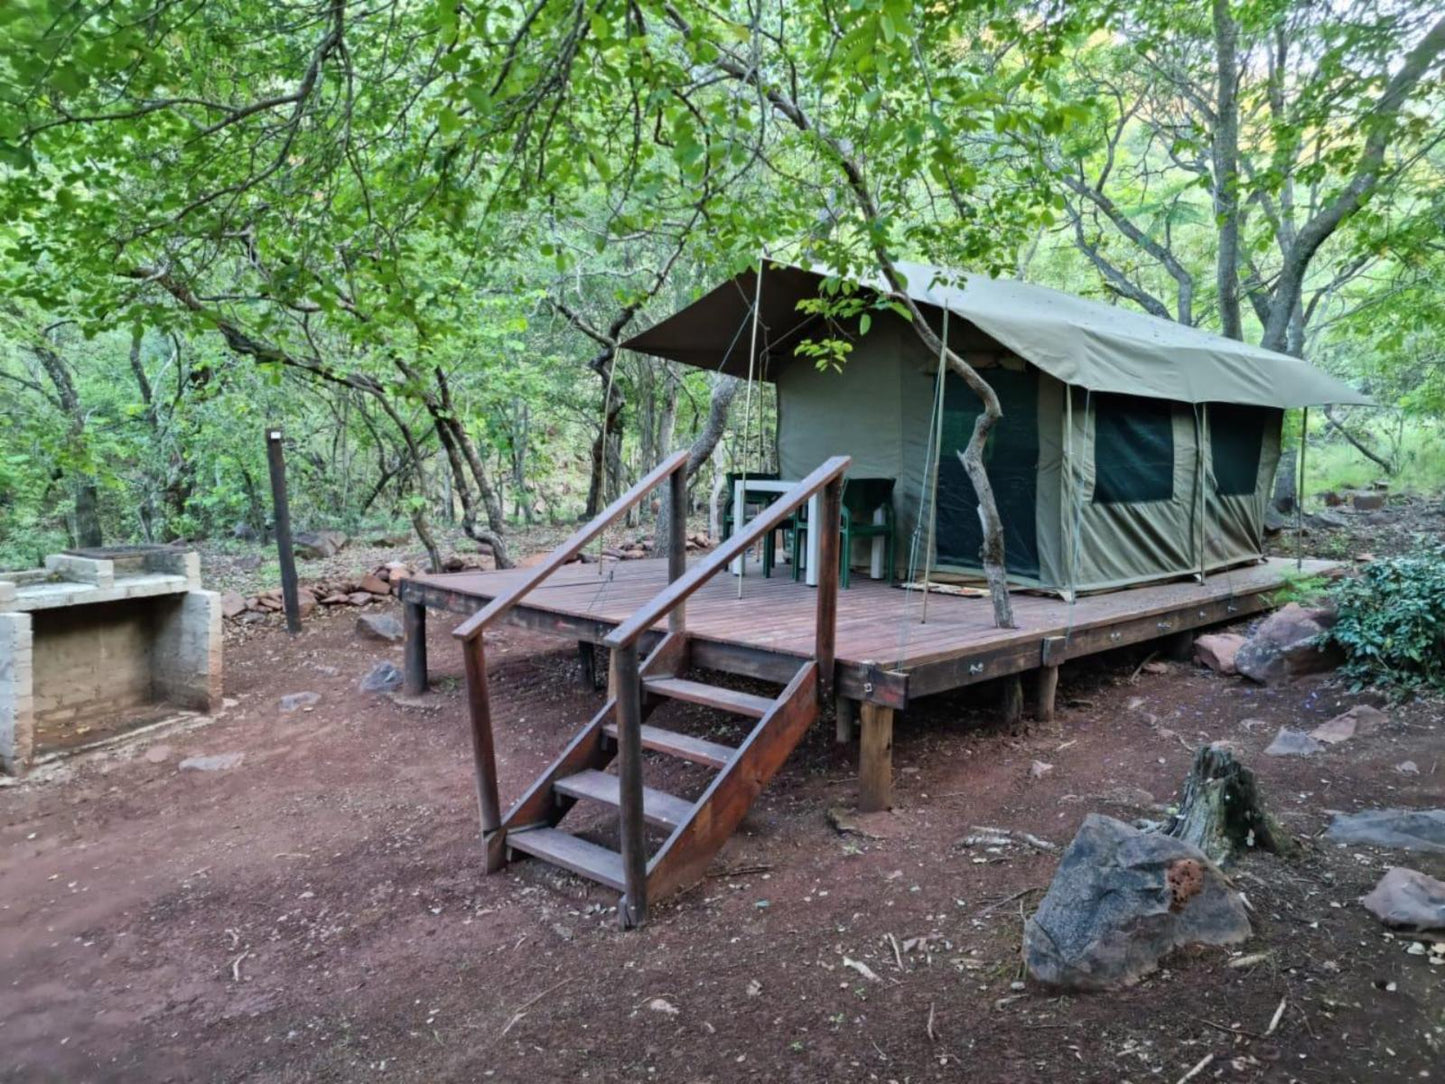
<point x="1391" y="622"/>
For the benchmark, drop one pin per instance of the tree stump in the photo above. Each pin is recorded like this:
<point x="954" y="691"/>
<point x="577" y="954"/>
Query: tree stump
<point x="1222" y="810"/>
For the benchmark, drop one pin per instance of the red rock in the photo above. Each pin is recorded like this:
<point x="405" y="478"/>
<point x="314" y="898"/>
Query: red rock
<point x="359" y="598"/>
<point x="1217" y="650"/>
<point x="232" y="604"/>
<point x="336" y="599"/>
<point x="375" y="585"/>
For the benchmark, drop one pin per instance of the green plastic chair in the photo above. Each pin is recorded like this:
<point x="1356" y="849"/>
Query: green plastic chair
<point x="862" y="497"/>
<point x="753" y="504"/>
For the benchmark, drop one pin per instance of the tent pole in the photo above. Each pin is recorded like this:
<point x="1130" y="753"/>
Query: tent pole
<point x="747" y="415"/>
<point x="1299" y="494"/>
<point x="1201" y="429"/>
<point x="937" y="455"/>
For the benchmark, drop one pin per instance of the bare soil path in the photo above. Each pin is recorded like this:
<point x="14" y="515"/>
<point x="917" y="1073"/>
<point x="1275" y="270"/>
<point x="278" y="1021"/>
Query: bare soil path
<point x="318" y="911"/>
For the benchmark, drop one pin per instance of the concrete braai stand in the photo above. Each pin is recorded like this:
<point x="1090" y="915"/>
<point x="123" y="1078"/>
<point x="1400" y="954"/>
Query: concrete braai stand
<point x="101" y="632"/>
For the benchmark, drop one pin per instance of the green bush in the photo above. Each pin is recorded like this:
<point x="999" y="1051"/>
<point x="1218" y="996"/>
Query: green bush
<point x="1391" y="623"/>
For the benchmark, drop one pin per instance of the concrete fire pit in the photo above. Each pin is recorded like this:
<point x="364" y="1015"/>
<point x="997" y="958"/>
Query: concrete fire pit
<point x="99" y="633"/>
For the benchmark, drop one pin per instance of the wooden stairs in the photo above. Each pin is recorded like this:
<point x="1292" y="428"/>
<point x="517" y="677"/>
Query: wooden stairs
<point x="695" y="830"/>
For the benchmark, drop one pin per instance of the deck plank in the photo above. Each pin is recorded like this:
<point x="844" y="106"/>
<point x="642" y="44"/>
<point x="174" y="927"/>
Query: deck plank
<point x="876" y="623"/>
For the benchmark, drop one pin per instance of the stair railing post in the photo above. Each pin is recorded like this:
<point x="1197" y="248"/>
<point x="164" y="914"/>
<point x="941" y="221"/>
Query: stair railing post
<point x="484" y="757"/>
<point x="677" y="541"/>
<point x="830" y="513"/>
<point x="628" y="691"/>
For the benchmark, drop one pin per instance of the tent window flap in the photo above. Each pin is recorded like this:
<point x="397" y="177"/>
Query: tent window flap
<point x="1236" y="440"/>
<point x="1133" y="449"/>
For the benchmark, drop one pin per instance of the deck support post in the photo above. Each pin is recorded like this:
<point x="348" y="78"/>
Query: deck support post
<point x="677" y="542"/>
<point x="627" y="688"/>
<point x="413" y="623"/>
<point x="1013" y="699"/>
<point x="484" y="757"/>
<point x="829" y="525"/>
<point x="1048" y="689"/>
<point x="875" y="758"/>
<point x="1180" y="646"/>
<point x="847" y="714"/>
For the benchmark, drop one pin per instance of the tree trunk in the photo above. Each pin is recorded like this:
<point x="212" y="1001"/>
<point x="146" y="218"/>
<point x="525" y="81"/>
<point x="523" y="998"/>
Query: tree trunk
<point x="1226" y="167"/>
<point x="1222" y="810"/>
<point x="724" y="390"/>
<point x="85" y="494"/>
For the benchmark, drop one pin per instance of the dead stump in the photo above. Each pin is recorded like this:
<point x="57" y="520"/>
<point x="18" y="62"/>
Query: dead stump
<point x="1222" y="811"/>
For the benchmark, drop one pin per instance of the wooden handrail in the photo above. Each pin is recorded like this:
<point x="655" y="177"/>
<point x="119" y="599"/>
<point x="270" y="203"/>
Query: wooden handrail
<point x="627" y="633"/>
<point x="473" y="626"/>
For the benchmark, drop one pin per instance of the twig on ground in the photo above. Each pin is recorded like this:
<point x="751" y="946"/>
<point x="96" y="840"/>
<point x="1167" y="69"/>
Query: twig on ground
<point x="1199" y="1067"/>
<point x="1009" y="899"/>
<point x="932" y="1038"/>
<point x="1278" y="1015"/>
<point x="1228" y="1030"/>
<point x="521" y="1012"/>
<point x="236" y="966"/>
<point x="897" y="955"/>
<point x="1134" y="677"/>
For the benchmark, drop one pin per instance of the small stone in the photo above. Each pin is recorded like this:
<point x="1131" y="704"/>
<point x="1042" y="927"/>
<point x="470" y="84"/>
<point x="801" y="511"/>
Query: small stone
<point x="662" y="1005"/>
<point x="1407" y="767"/>
<point x="1155" y="667"/>
<point x="564" y="932"/>
<point x="220" y="762"/>
<point x="232" y="605"/>
<point x="159" y="754"/>
<point x="296" y="701"/>
<point x="1217" y="650"/>
<point x="383" y="627"/>
<point x="382" y="678"/>
<point x="1038" y="769"/>
<point x="1340" y="728"/>
<point x="1292" y="743"/>
<point x="336" y="598"/>
<point x="359" y="598"/>
<point x="1249" y="726"/>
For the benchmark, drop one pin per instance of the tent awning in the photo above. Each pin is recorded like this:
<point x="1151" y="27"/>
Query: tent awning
<point x="1103" y="348"/>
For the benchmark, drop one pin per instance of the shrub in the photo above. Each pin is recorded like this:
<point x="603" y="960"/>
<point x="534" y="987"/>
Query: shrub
<point x="1391" y="623"/>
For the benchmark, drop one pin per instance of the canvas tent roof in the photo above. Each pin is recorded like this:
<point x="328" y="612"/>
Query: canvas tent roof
<point x="1084" y="343"/>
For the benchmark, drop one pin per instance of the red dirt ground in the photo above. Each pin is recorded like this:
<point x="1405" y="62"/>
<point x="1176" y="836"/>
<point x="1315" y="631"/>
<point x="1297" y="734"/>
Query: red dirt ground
<point x="319" y="911"/>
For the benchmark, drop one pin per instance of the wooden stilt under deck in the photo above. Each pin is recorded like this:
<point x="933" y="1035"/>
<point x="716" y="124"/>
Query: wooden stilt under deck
<point x="1048" y="689"/>
<point x="847" y="719"/>
<point x="875" y="758"/>
<point x="1013" y="699"/>
<point x="413" y="623"/>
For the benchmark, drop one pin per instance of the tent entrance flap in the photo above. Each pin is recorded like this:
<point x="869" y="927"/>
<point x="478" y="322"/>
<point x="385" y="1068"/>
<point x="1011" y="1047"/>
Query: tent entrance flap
<point x="1011" y="458"/>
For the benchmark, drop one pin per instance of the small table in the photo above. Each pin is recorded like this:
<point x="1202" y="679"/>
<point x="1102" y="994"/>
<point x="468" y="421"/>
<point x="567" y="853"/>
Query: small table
<point x="767" y="485"/>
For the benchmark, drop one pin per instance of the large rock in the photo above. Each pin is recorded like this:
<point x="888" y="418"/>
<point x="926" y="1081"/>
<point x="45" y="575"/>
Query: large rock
<point x="1217" y="650"/>
<point x="318" y="543"/>
<point x="1285" y="645"/>
<point x="1361" y="719"/>
<point x="1402" y="829"/>
<point x="232" y="605"/>
<point x="375" y="584"/>
<point x="1121" y="900"/>
<point x="379" y="627"/>
<point x="1406" y="899"/>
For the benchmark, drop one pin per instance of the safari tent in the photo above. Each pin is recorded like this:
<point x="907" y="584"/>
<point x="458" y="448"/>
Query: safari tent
<point x="1132" y="449"/>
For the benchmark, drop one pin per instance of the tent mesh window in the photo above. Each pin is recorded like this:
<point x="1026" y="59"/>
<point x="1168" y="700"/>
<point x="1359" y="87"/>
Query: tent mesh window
<point x="1236" y="441"/>
<point x="1133" y="449"/>
<point x="1011" y="458"/>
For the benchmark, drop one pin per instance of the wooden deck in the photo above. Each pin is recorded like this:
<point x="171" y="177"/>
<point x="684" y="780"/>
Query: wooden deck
<point x="885" y="654"/>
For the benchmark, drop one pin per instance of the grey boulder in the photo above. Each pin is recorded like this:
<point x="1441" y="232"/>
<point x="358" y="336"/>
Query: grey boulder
<point x="1406" y="899"/>
<point x="383" y="678"/>
<point x="1120" y="901"/>
<point x="318" y="543"/>
<point x="1402" y="829"/>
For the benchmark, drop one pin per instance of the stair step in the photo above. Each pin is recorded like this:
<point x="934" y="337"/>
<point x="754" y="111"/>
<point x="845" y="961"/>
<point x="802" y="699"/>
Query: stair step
<point x="714" y="696"/>
<point x="658" y="807"/>
<point x="683" y="746"/>
<point x="571" y="852"/>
